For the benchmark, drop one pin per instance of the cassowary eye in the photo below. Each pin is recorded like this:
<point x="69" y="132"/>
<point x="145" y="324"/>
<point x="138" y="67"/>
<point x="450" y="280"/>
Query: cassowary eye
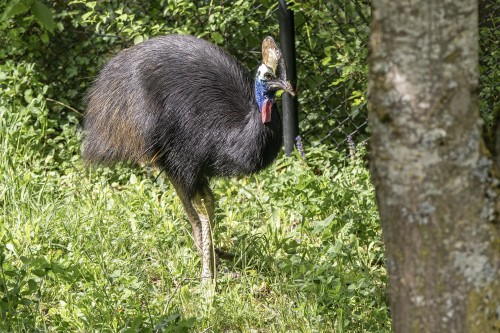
<point x="268" y="76"/>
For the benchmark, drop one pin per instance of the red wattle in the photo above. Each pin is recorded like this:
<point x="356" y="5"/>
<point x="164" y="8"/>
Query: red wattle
<point x="266" y="111"/>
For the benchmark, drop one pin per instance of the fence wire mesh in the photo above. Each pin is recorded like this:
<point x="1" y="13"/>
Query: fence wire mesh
<point x="331" y="50"/>
<point x="332" y="71"/>
<point x="489" y="60"/>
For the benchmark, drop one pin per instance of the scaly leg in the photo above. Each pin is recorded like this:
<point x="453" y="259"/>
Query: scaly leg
<point x="203" y="203"/>
<point x="201" y="211"/>
<point x="192" y="215"/>
<point x="209" y="200"/>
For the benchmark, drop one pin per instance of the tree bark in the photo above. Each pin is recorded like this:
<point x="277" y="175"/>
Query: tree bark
<point x="435" y="182"/>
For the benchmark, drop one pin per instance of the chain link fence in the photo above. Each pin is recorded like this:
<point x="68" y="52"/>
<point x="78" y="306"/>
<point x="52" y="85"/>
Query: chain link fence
<point x="489" y="60"/>
<point x="332" y="72"/>
<point x="331" y="39"/>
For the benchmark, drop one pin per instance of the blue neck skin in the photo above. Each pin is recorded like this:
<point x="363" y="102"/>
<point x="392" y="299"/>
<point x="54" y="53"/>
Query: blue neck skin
<point x="262" y="93"/>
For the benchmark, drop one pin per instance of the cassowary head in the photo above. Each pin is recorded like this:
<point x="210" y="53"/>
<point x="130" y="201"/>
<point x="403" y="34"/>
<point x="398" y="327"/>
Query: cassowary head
<point x="271" y="77"/>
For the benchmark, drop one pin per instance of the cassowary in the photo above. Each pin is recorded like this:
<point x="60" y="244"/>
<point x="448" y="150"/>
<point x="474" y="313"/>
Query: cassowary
<point x="188" y="107"/>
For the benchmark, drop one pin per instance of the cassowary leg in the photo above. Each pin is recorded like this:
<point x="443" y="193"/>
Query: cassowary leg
<point x="203" y="203"/>
<point x="200" y="210"/>
<point x="192" y="215"/>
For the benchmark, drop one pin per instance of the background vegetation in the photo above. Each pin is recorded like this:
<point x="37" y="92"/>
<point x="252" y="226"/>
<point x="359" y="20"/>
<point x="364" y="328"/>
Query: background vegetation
<point x="109" y="249"/>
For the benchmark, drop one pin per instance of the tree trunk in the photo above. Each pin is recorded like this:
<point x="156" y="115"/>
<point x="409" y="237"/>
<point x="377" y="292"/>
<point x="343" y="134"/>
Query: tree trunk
<point x="435" y="182"/>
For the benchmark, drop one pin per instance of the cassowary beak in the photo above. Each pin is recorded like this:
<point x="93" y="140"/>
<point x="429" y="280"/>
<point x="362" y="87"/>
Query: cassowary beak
<point x="275" y="85"/>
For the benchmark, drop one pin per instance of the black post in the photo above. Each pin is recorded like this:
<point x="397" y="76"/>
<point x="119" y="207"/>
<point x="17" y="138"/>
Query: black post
<point x="287" y="41"/>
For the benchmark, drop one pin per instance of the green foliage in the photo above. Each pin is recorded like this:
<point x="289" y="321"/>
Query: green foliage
<point x="41" y="14"/>
<point x="332" y="67"/>
<point x="489" y="45"/>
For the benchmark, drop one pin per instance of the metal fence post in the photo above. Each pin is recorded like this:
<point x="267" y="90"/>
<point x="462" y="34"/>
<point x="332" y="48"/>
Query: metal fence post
<point x="287" y="41"/>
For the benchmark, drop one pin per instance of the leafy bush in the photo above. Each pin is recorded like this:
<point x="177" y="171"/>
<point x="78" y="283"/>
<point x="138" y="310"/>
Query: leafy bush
<point x="332" y="69"/>
<point x="489" y="46"/>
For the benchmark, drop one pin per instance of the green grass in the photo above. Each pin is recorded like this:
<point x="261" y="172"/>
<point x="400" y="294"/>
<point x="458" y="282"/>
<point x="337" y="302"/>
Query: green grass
<point x="110" y="249"/>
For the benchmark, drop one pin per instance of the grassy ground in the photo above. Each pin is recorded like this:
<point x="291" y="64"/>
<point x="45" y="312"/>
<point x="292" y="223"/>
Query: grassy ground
<point x="110" y="250"/>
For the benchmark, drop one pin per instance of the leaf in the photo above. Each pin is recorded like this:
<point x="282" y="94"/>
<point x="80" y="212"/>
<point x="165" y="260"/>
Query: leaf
<point x="43" y="15"/>
<point x="32" y="286"/>
<point x="28" y="95"/>
<point x="11" y="248"/>
<point x="166" y="322"/>
<point x="91" y="4"/>
<point x="24" y="259"/>
<point x="11" y="273"/>
<point x="44" y="37"/>
<point x="15" y="8"/>
<point x="138" y="39"/>
<point x="58" y="269"/>
<point x="302" y="185"/>
<point x="217" y="37"/>
<point x="86" y="16"/>
<point x="40" y="263"/>
<point x="39" y="272"/>
<point x="319" y="226"/>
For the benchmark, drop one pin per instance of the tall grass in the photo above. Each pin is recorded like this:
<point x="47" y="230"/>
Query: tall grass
<point x="110" y="250"/>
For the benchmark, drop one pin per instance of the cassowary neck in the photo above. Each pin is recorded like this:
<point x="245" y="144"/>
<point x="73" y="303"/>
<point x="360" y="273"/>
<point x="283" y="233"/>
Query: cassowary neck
<point x="265" y="100"/>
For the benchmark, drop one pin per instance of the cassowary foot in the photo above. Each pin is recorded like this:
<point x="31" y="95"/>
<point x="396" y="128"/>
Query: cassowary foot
<point x="224" y="271"/>
<point x="207" y="272"/>
<point x="228" y="273"/>
<point x="221" y="254"/>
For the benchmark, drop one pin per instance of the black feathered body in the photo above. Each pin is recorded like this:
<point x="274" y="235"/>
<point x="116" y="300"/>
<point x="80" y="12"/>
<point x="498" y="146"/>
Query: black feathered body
<point x="184" y="104"/>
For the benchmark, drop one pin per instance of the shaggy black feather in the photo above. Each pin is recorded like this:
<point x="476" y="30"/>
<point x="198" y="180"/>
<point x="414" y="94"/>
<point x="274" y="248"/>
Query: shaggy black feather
<point x="184" y="104"/>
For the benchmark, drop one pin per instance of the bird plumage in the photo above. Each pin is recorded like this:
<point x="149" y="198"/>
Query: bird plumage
<point x="188" y="107"/>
